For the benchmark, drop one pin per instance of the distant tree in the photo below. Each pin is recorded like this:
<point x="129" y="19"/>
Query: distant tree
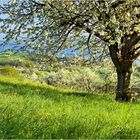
<point x="53" y="23"/>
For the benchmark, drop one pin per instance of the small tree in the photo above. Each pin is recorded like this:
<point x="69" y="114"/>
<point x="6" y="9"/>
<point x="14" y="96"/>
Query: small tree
<point x="50" y="23"/>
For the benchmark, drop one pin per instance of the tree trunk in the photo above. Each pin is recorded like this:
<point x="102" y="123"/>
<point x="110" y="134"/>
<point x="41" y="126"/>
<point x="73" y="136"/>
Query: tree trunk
<point x="123" y="92"/>
<point x="123" y="62"/>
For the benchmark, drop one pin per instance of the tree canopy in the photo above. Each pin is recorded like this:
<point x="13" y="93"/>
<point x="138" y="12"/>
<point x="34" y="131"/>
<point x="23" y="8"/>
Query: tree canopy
<point x="49" y="23"/>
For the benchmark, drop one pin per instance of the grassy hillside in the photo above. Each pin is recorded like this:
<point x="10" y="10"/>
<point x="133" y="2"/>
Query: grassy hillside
<point x="32" y="110"/>
<point x="5" y="56"/>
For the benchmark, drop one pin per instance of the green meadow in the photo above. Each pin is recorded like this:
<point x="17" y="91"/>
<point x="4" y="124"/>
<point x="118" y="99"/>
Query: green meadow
<point x="37" y="111"/>
<point x="69" y="69"/>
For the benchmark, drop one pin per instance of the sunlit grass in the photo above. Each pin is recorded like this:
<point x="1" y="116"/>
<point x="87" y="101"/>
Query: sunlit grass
<point x="32" y="110"/>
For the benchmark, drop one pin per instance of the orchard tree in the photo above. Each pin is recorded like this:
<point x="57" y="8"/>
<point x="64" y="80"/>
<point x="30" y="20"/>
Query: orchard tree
<point x="51" y="24"/>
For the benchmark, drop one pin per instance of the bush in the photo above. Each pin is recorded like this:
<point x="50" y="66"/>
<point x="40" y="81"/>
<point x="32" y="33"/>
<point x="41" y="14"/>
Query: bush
<point x="26" y="63"/>
<point x="107" y="75"/>
<point x="40" y="74"/>
<point x="136" y="79"/>
<point x="81" y="78"/>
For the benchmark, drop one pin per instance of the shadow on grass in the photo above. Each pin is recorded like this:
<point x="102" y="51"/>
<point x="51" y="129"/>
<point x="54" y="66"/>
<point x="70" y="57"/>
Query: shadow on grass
<point x="46" y="92"/>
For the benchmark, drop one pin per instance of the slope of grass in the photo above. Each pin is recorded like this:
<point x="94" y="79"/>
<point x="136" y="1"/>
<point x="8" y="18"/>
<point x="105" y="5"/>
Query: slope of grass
<point x="31" y="110"/>
<point x="4" y="56"/>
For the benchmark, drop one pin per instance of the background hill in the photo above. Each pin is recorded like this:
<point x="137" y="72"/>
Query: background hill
<point x="68" y="72"/>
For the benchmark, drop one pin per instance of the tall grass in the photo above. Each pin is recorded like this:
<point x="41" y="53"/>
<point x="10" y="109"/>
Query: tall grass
<point x="31" y="110"/>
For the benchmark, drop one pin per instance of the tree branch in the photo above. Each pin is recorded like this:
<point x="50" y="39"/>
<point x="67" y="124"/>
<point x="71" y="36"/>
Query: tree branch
<point x="134" y="39"/>
<point x="136" y="55"/>
<point x="37" y="3"/>
<point x="88" y="42"/>
<point x="129" y="42"/>
<point x="113" y="49"/>
<point x="97" y="34"/>
<point x="137" y="48"/>
<point x="116" y="4"/>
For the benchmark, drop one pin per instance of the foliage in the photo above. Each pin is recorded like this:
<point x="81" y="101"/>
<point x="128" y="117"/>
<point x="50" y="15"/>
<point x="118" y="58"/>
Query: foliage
<point x="109" y="23"/>
<point x="82" y="78"/>
<point x="136" y="77"/>
<point x="40" y="74"/>
<point x="26" y="64"/>
<point x="108" y="76"/>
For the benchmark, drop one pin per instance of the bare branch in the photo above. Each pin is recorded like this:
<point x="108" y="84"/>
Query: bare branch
<point x="88" y="42"/>
<point x="62" y="43"/>
<point x="64" y="40"/>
